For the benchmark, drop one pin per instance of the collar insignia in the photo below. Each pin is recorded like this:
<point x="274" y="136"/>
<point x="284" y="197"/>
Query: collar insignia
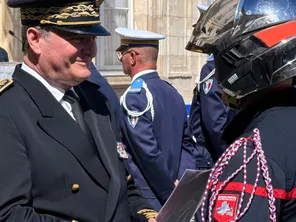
<point x="5" y="83"/>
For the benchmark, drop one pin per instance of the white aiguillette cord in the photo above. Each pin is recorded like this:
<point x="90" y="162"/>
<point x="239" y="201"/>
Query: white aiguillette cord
<point x="148" y="107"/>
<point x="205" y="79"/>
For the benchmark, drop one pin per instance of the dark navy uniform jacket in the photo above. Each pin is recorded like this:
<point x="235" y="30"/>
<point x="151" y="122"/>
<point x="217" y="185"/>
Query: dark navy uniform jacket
<point x="155" y="144"/>
<point x="275" y="118"/>
<point x="51" y="170"/>
<point x="208" y="117"/>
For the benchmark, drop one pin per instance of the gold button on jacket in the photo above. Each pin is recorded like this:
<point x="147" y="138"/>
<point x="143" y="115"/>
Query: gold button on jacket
<point x="75" y="187"/>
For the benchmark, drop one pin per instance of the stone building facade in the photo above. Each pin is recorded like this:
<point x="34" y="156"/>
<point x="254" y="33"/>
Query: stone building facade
<point x="173" y="18"/>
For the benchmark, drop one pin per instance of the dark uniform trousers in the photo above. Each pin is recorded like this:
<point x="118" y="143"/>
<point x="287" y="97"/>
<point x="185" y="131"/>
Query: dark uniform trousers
<point x="50" y="170"/>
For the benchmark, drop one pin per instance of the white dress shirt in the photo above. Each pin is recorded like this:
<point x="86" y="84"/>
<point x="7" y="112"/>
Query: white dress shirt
<point x="58" y="93"/>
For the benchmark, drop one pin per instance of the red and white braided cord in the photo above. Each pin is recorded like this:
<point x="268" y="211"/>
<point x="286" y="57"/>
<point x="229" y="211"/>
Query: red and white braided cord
<point x="212" y="191"/>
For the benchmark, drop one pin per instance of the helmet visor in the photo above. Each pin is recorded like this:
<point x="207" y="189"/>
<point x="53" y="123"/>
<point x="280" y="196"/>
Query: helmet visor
<point x="212" y="25"/>
<point x="226" y="19"/>
<point x="271" y="66"/>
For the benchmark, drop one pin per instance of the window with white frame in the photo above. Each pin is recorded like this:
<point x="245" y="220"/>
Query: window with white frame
<point x="114" y="13"/>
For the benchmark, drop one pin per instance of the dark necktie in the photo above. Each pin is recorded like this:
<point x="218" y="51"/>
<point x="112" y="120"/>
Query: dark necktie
<point x="72" y="98"/>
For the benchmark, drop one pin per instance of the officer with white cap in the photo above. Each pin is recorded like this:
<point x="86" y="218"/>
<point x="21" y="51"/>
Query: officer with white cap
<point x="154" y="118"/>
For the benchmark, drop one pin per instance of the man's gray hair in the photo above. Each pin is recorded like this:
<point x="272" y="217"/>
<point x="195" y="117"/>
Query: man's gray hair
<point x="43" y="31"/>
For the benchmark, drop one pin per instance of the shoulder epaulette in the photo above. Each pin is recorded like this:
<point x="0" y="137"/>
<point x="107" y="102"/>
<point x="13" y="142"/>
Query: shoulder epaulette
<point x="211" y="58"/>
<point x="136" y="86"/>
<point x="5" y="83"/>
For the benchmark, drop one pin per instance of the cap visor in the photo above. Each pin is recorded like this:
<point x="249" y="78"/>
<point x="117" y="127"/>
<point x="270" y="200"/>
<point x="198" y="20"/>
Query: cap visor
<point x="121" y="48"/>
<point x="97" y="30"/>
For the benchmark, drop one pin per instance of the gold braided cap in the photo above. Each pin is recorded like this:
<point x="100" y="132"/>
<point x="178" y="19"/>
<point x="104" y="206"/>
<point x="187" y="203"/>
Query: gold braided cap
<point x="80" y="13"/>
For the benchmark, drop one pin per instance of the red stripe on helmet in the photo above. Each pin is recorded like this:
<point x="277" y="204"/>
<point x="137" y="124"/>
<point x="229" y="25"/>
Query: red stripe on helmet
<point x="274" y="35"/>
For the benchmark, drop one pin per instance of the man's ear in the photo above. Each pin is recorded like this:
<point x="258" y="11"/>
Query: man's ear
<point x="133" y="58"/>
<point x="34" y="37"/>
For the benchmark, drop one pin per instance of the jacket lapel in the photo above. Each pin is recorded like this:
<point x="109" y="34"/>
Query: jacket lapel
<point x="53" y="117"/>
<point x="97" y="115"/>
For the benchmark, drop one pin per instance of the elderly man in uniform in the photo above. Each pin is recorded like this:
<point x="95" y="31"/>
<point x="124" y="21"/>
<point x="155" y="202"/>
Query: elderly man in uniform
<point x="254" y="47"/>
<point x="61" y="156"/>
<point x="154" y="119"/>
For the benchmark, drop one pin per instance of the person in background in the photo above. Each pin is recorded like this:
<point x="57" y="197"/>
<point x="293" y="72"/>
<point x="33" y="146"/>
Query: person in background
<point x="106" y="89"/>
<point x="3" y="55"/>
<point x="62" y="158"/>
<point x="208" y="114"/>
<point x="154" y="118"/>
<point x="254" y="48"/>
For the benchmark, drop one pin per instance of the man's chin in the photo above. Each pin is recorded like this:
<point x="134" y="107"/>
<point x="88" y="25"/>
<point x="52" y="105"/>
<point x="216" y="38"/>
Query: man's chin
<point x="126" y="72"/>
<point x="85" y="76"/>
<point x="82" y="76"/>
